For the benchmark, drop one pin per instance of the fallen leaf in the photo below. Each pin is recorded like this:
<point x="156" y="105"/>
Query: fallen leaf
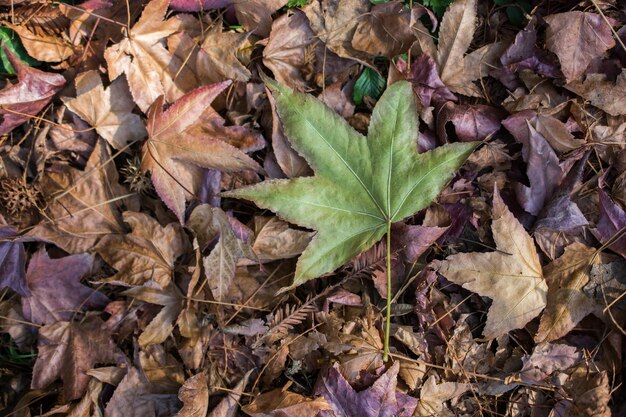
<point x="577" y="38"/>
<point x="42" y="46"/>
<point x="195" y="396"/>
<point x="175" y="160"/>
<point x="146" y="254"/>
<point x="589" y="394"/>
<point x="217" y="59"/>
<point x="546" y="359"/>
<point x="511" y="277"/>
<point x="280" y="403"/>
<point x="603" y="93"/>
<point x="152" y="71"/>
<point x="83" y="205"/>
<point x="275" y="239"/>
<point x="67" y="350"/>
<point x="12" y="261"/>
<point x="379" y="400"/>
<point x="424" y="76"/>
<point x="229" y="405"/>
<point x="611" y="224"/>
<point x="33" y="91"/>
<point x="433" y="397"/>
<point x="198" y="5"/>
<point x="384" y="31"/>
<point x="374" y="192"/>
<point x="472" y="122"/>
<point x="56" y="293"/>
<point x="108" y="110"/>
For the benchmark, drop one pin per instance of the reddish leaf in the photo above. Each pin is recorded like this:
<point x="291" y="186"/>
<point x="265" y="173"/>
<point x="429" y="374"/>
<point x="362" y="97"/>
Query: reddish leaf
<point x="611" y="225"/>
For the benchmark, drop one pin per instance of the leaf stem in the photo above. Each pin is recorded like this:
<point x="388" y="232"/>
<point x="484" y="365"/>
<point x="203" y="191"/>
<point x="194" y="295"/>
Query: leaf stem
<point x="388" y="312"/>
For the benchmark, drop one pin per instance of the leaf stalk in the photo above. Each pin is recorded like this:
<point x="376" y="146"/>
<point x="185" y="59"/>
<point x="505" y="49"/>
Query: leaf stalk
<point x="388" y="312"/>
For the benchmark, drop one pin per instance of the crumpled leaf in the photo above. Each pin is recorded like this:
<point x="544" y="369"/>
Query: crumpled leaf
<point x="28" y="96"/>
<point x="41" y="45"/>
<point x="280" y="403"/>
<point x="611" y="223"/>
<point x="220" y="265"/>
<point x="384" y="31"/>
<point x="217" y="60"/>
<point x="471" y="121"/>
<point x="457" y="70"/>
<point x="151" y="70"/>
<point x="133" y="398"/>
<point x="275" y="239"/>
<point x="383" y="178"/>
<point x="603" y="93"/>
<point x="83" y="205"/>
<point x="433" y="397"/>
<point x="589" y="394"/>
<point x="335" y="23"/>
<point x="546" y="359"/>
<point x="161" y="327"/>
<point x="12" y="261"/>
<point x="229" y="405"/>
<point x="195" y="396"/>
<point x="146" y="254"/>
<point x="108" y="110"/>
<point x="577" y="38"/>
<point x="68" y="350"/>
<point x="175" y="159"/>
<point x="379" y="400"/>
<point x="511" y="277"/>
<point x="425" y="79"/>
<point x="56" y="293"/>
<point x="567" y="304"/>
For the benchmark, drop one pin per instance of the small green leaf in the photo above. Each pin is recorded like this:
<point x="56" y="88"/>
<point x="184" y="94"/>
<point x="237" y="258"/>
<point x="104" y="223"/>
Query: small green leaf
<point x="361" y="185"/>
<point x="297" y="3"/>
<point x="10" y="39"/>
<point x="369" y="84"/>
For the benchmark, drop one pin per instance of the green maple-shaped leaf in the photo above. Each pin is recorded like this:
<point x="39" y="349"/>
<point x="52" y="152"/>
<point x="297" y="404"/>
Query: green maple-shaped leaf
<point x="361" y="185"/>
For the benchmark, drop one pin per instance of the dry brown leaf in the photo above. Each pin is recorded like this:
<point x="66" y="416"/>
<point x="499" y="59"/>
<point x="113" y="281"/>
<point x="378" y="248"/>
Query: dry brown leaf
<point x="511" y="277"/>
<point x="577" y="38"/>
<point x="43" y="47"/>
<point x="275" y="239"/>
<point x="281" y="403"/>
<point x="108" y="110"/>
<point x="384" y="31"/>
<point x="217" y="60"/>
<point x="152" y="71"/>
<point x="195" y="396"/>
<point x="603" y="93"/>
<point x="146" y="254"/>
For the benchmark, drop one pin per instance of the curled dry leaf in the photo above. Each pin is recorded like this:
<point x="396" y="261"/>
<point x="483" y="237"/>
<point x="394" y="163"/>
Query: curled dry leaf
<point x="43" y="46"/>
<point x="279" y="403"/>
<point x="176" y="160"/>
<point x="611" y="224"/>
<point x="511" y="277"/>
<point x="433" y="397"/>
<point x="275" y="239"/>
<point x="384" y="31"/>
<point x="603" y="93"/>
<point x="146" y="254"/>
<point x="32" y="92"/>
<point x="108" y="110"/>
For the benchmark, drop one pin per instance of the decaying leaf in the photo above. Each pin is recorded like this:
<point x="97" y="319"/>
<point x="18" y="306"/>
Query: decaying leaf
<point x="511" y="277"/>
<point x="603" y="93"/>
<point x="175" y="159"/>
<point x="12" y="261"/>
<point x="108" y="110"/>
<point x="279" y="403"/>
<point x="433" y="397"/>
<point x="373" y="192"/>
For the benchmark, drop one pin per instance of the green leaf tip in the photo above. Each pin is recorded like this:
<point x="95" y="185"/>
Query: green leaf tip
<point x="360" y="184"/>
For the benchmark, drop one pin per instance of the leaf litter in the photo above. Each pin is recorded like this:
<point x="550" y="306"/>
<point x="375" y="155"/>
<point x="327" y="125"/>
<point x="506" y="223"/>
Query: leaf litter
<point x="429" y="213"/>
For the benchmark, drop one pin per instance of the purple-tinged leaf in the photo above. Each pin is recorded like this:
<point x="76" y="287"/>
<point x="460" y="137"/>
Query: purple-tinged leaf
<point x="546" y="359"/>
<point x="12" y="262"/>
<point x="415" y="240"/>
<point x="471" y="122"/>
<point x="56" y="291"/>
<point x="612" y="222"/>
<point x="198" y="5"/>
<point x="424" y="77"/>
<point x="379" y="400"/>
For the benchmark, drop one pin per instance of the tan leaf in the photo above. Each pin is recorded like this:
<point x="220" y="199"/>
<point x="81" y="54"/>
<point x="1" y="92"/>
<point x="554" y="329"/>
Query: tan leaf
<point x="146" y="254"/>
<point x="602" y="93"/>
<point x="216" y="60"/>
<point x="384" y="31"/>
<point x="279" y="403"/>
<point x="151" y="70"/>
<point x="195" y="396"/>
<point x="567" y="304"/>
<point x="433" y="397"/>
<point x="83" y="205"/>
<point x="41" y="46"/>
<point x="577" y="38"/>
<point x="275" y="239"/>
<point x="230" y="404"/>
<point x="108" y="110"/>
<point x="511" y="277"/>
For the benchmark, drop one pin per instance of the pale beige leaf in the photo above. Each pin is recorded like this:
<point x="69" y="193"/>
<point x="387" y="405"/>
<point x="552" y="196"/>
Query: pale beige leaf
<point x="41" y="46"/>
<point x="433" y="397"/>
<point x="276" y="239"/>
<point x="511" y="277"/>
<point x="455" y="37"/>
<point x="216" y="61"/>
<point x="108" y="110"/>
<point x="603" y="93"/>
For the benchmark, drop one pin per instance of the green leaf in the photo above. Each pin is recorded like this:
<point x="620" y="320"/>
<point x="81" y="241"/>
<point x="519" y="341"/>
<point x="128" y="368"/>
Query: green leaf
<point x="361" y="184"/>
<point x="297" y="3"/>
<point x="369" y="84"/>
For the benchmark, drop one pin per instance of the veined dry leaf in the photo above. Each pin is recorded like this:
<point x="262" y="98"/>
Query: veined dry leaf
<point x="511" y="277"/>
<point x="146" y="254"/>
<point x="610" y="224"/>
<point x="457" y="70"/>
<point x="83" y="205"/>
<point x="28" y="96"/>
<point x="56" y="291"/>
<point x="281" y="403"/>
<point x="195" y="396"/>
<point x="161" y="327"/>
<point x="68" y="350"/>
<point x="567" y="304"/>
<point x="384" y="31"/>
<point x="603" y="93"/>
<point x="275" y="239"/>
<point x="152" y="71"/>
<point x="256" y="15"/>
<point x="42" y="46"/>
<point x="362" y="185"/>
<point x="546" y="359"/>
<point x="577" y="38"/>
<point x="433" y="397"/>
<point x="12" y="261"/>
<point x="108" y="110"/>
<point x="229" y="405"/>
<point x="176" y="160"/>
<point x="217" y="60"/>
